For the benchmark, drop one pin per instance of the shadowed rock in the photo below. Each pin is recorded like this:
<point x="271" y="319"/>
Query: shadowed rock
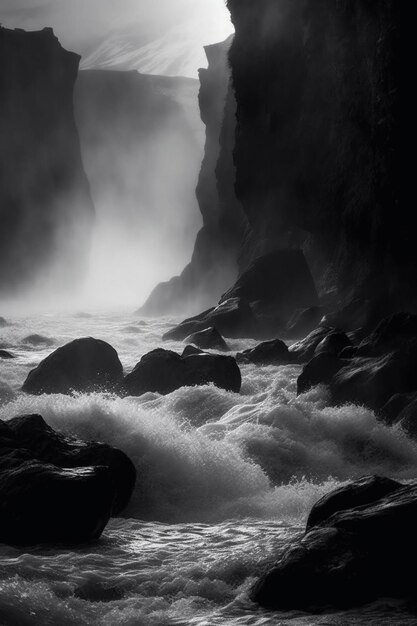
<point x="273" y="352"/>
<point x="333" y="343"/>
<point x="304" y="321"/>
<point x="56" y="489"/>
<point x="207" y="339"/>
<point x="38" y="340"/>
<point x="4" y="354"/>
<point x="3" y="322"/>
<point x="163" y="371"/>
<point x="82" y="365"/>
<point x="360" y="546"/>
<point x="320" y="370"/>
<point x="392" y="333"/>
<point x="304" y="350"/>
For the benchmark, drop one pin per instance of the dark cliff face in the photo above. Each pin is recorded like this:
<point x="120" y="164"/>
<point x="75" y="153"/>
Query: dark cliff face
<point x="317" y="144"/>
<point x="45" y="205"/>
<point x="213" y="266"/>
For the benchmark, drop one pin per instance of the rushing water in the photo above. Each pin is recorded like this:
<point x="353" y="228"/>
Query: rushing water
<point x="225" y="481"/>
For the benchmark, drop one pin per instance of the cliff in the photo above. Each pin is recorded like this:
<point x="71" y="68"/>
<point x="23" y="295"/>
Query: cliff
<point x="317" y="145"/>
<point x="213" y="266"/>
<point x="45" y="205"/>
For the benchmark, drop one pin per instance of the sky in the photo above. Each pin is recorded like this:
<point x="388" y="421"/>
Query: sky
<point x="83" y="25"/>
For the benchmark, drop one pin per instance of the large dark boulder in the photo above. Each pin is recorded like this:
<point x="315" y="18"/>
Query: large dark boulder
<point x="32" y="433"/>
<point x="232" y="318"/>
<point x="303" y="351"/>
<point x="333" y="343"/>
<point x="208" y="339"/>
<point x="361" y="547"/>
<point x="273" y="352"/>
<point x="320" y="370"/>
<point x="49" y="493"/>
<point x="82" y="365"/>
<point x="163" y="371"/>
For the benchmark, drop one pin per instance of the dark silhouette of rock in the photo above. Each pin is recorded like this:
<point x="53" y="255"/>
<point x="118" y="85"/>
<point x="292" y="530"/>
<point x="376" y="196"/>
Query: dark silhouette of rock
<point x="189" y="350"/>
<point x="46" y="208"/>
<point x="233" y="318"/>
<point x="304" y="321"/>
<point x="363" y="491"/>
<point x="279" y="283"/>
<point x="333" y="343"/>
<point x="56" y="489"/>
<point x="3" y="322"/>
<point x="303" y="351"/>
<point x="163" y="371"/>
<point x="4" y="354"/>
<point x="320" y="370"/>
<point x="273" y="352"/>
<point x="48" y="446"/>
<point x="38" y="340"/>
<point x="392" y="333"/>
<point x="346" y="560"/>
<point x="207" y="339"/>
<point x="82" y="365"/>
<point x="349" y="352"/>
<point x="394" y="407"/>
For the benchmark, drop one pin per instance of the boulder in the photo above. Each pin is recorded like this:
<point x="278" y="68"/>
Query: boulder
<point x="38" y="340"/>
<point x="82" y="365"/>
<point x="333" y="343"/>
<point x="320" y="370"/>
<point x="233" y="318"/>
<point x="360" y="547"/>
<point x="4" y="354"/>
<point x="273" y="352"/>
<point x="163" y="371"/>
<point x="208" y="339"/>
<point x="3" y="322"/>
<point x="32" y="433"/>
<point x="48" y="492"/>
<point x="189" y="350"/>
<point x="303" y="351"/>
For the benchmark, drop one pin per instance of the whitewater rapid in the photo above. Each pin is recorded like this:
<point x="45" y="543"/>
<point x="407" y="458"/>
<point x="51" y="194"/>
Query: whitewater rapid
<point x="224" y="482"/>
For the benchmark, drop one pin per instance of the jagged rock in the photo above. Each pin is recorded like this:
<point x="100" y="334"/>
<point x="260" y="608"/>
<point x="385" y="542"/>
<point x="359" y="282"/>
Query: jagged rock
<point x="279" y="282"/>
<point x="163" y="371"/>
<point x="55" y="489"/>
<point x="233" y="318"/>
<point x="273" y="352"/>
<point x="303" y="350"/>
<point x="333" y="343"/>
<point x="392" y="333"/>
<point x="4" y="354"/>
<point x="82" y="365"/>
<point x="363" y="491"/>
<point x="207" y="339"/>
<point x="32" y="433"/>
<point x="320" y="370"/>
<point x="373" y="381"/>
<point x="304" y="321"/>
<point x="346" y="560"/>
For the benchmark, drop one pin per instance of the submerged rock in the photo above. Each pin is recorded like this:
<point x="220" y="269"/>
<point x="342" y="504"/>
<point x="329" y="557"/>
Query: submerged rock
<point x="82" y="365"/>
<point x="163" y="371"/>
<point x="273" y="352"/>
<point x="207" y="339"/>
<point x="360" y="546"/>
<point x="232" y="318"/>
<point x="4" y="354"/>
<point x="56" y="489"/>
<point x="38" y="340"/>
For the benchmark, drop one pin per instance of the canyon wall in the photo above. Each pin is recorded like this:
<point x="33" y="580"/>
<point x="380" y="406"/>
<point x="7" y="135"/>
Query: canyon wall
<point x="46" y="209"/>
<point x="317" y="151"/>
<point x="213" y="266"/>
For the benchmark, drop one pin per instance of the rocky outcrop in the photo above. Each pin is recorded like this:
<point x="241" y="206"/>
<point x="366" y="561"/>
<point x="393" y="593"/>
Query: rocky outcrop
<point x="345" y="560"/>
<point x="82" y="365"/>
<point x="213" y="266"/>
<point x="56" y="489"/>
<point x="45" y="204"/>
<point x="317" y="150"/>
<point x="164" y="371"/>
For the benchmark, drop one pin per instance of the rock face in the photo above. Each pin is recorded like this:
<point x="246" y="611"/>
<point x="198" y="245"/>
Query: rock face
<point x="46" y="207"/>
<point x="213" y="266"/>
<point x="317" y="149"/>
<point x="82" y="365"/>
<point x="55" y="489"/>
<point x="164" y="371"/>
<point x="344" y="560"/>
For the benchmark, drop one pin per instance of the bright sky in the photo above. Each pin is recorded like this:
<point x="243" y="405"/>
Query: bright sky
<point x="82" y="24"/>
